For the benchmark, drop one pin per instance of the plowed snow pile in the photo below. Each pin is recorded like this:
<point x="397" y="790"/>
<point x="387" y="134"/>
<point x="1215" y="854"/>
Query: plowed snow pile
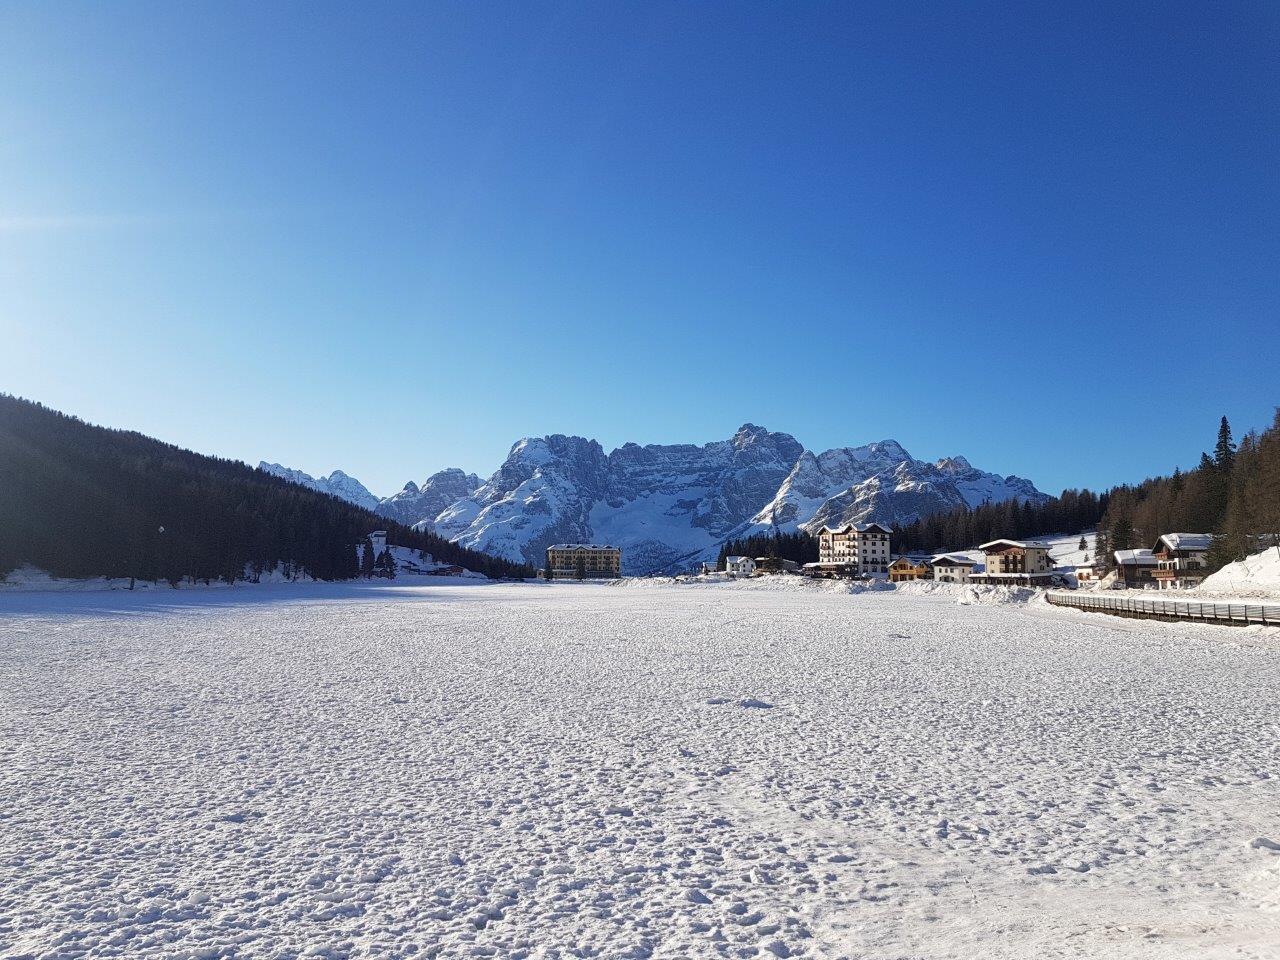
<point x="576" y="770"/>
<point x="1254" y="576"/>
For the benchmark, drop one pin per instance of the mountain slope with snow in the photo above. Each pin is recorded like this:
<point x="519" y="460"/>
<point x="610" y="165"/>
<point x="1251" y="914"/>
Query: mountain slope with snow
<point x="415" y="503"/>
<point x="660" y="503"/>
<point x="337" y="484"/>
<point x="883" y="483"/>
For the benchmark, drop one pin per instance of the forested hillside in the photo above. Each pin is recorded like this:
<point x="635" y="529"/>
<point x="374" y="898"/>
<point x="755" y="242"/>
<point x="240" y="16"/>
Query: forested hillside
<point x="1072" y="512"/>
<point x="79" y="500"/>
<point x="1233" y="494"/>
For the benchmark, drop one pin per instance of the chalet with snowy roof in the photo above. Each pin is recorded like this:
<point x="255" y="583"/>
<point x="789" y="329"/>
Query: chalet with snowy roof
<point x="953" y="568"/>
<point x="587" y="561"/>
<point x="1180" y="560"/>
<point x="904" y="569"/>
<point x="853" y="550"/>
<point x="776" y="565"/>
<point x="1016" y="563"/>
<point x="739" y="566"/>
<point x="1134" y="569"/>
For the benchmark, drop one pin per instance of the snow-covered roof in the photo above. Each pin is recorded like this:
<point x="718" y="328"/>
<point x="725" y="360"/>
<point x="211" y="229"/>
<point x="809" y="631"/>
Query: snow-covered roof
<point x="857" y="528"/>
<point x="736" y="559"/>
<point x="581" y="546"/>
<point x="1024" y="544"/>
<point x="1129" y="558"/>
<point x="953" y="560"/>
<point x="1185" y="541"/>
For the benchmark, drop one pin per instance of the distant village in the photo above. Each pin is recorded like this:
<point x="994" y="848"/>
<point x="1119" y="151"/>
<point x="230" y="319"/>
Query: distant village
<point x="864" y="551"/>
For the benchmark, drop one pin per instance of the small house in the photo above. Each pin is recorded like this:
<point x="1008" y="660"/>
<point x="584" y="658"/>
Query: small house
<point x="1134" y="569"/>
<point x="739" y="566"/>
<point x="904" y="569"/>
<point x="953" y="568"/>
<point x="1022" y="563"/>
<point x="1180" y="560"/>
<point x="776" y="565"/>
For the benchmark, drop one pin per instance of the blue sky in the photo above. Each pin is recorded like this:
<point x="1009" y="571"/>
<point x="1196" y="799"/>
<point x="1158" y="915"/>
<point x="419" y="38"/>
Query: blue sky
<point x="393" y="238"/>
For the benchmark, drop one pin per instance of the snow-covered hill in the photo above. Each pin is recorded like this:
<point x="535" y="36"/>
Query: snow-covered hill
<point x="337" y="484"/>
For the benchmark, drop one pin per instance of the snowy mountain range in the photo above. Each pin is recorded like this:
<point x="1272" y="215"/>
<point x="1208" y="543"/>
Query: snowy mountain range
<point x="668" y="506"/>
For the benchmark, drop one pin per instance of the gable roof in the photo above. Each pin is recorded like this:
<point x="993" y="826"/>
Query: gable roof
<point x="953" y="560"/>
<point x="1136" y="558"/>
<point x="857" y="528"/>
<point x="1185" y="541"/>
<point x="1023" y="544"/>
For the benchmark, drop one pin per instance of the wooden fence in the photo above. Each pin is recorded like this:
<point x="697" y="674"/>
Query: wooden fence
<point x="1239" y="614"/>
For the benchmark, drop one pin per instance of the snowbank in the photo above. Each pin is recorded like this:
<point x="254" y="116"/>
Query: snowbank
<point x="1258" y="575"/>
<point x="961" y="593"/>
<point x="970" y="593"/>
<point x="773" y="583"/>
<point x="28" y="578"/>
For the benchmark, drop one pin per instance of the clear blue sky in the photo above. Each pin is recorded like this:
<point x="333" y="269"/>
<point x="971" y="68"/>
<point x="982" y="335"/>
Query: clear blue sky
<point x="393" y="238"/>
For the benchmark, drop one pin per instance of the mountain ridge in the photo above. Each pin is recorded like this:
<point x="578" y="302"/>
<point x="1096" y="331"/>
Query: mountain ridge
<point x="669" y="505"/>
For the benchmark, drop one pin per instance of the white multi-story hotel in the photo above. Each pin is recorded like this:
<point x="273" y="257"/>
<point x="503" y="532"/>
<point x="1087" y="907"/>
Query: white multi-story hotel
<point x="856" y="549"/>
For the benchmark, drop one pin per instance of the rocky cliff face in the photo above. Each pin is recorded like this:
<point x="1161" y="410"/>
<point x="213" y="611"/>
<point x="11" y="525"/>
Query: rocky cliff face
<point x="883" y="483"/>
<point x="669" y="505"/>
<point x="415" y="504"/>
<point x="658" y="502"/>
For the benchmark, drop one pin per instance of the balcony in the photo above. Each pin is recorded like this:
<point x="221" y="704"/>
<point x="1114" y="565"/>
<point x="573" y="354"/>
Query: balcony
<point x="1167" y="573"/>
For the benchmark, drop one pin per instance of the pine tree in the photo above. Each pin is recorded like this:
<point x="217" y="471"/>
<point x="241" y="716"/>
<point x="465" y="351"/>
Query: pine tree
<point x="1102" y="556"/>
<point x="1121" y="533"/>
<point x="1224" y="452"/>
<point x="1084" y="544"/>
<point x="367" y="558"/>
<point x="580" y="572"/>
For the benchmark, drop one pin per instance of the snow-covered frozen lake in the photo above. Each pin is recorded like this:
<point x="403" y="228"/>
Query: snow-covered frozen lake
<point x="599" y="771"/>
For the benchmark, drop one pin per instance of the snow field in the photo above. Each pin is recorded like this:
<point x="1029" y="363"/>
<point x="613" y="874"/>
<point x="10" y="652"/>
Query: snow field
<point x="578" y="770"/>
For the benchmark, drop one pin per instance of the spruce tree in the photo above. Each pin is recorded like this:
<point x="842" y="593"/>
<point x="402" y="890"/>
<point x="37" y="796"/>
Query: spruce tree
<point x="1224" y="452"/>
<point x="367" y="559"/>
<point x="581" y="570"/>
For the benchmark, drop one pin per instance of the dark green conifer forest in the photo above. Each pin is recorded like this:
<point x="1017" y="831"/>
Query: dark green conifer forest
<point x="78" y="500"/>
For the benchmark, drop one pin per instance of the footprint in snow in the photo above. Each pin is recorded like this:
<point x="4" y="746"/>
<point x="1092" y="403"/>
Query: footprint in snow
<point x="754" y="704"/>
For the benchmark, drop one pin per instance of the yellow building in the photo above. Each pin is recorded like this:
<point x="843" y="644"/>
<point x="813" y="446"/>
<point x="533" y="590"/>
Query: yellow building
<point x="904" y="568"/>
<point x="587" y="561"/>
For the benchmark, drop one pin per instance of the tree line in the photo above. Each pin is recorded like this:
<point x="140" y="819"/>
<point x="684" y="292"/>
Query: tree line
<point x="798" y="546"/>
<point x="966" y="527"/>
<point x="1233" y="495"/>
<point x="78" y="500"/>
